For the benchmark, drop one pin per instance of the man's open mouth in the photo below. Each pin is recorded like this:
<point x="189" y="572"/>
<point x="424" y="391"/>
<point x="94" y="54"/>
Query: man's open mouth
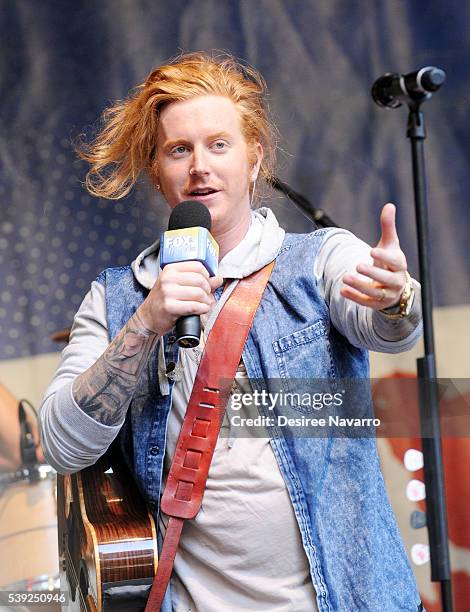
<point x="203" y="191"/>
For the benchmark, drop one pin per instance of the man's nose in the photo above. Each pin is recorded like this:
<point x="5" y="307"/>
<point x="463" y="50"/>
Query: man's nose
<point x="199" y="162"/>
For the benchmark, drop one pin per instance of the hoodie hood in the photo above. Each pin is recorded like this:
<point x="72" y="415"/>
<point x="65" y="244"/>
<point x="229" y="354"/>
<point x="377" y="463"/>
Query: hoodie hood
<point x="260" y="245"/>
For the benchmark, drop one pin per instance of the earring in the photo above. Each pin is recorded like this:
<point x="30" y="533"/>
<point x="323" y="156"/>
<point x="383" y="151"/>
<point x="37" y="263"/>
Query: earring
<point x="157" y="186"/>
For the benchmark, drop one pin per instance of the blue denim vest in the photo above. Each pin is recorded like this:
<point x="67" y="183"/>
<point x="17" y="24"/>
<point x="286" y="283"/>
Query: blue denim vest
<point x="349" y="533"/>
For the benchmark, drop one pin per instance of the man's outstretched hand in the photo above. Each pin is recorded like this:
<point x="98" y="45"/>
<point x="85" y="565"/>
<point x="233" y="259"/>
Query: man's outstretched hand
<point x="386" y="278"/>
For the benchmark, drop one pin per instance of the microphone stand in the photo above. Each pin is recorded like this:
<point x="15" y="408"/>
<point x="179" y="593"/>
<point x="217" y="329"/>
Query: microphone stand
<point x="436" y="519"/>
<point x="436" y="514"/>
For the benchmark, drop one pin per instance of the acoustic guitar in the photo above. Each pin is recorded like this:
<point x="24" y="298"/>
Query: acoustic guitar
<point x="107" y="539"/>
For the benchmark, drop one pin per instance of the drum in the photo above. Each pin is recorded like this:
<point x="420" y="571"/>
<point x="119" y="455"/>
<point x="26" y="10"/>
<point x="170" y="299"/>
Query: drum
<point x="28" y="534"/>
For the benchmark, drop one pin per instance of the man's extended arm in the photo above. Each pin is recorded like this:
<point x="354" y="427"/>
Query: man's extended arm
<point x="341" y="251"/>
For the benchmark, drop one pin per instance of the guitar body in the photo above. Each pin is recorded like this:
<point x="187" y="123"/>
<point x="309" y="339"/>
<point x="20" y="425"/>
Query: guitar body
<point x="107" y="539"/>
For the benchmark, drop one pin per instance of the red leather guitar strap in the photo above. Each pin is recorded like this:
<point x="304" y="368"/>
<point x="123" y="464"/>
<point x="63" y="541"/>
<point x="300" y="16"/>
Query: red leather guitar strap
<point x="187" y="477"/>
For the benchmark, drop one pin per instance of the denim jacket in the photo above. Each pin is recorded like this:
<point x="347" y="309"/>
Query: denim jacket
<point x="349" y="533"/>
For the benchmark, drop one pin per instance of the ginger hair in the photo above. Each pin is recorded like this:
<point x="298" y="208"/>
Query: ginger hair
<point x="126" y="144"/>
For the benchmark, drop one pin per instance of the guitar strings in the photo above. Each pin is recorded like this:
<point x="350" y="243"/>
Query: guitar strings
<point x="77" y="585"/>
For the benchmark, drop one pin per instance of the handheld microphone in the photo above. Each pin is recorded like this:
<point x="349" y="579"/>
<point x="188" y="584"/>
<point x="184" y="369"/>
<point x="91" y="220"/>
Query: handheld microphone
<point x="392" y="89"/>
<point x="188" y="239"/>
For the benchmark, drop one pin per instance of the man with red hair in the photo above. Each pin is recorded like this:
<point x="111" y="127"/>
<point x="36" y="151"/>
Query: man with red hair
<point x="287" y="523"/>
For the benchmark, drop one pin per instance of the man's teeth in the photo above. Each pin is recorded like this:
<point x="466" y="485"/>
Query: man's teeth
<point x="202" y="191"/>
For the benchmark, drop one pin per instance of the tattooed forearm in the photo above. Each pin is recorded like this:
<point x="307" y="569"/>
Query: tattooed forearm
<point x="105" y="390"/>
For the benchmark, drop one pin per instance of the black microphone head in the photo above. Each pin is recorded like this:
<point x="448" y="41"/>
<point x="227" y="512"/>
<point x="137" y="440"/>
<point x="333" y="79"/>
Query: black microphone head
<point x="383" y="90"/>
<point x="190" y="213"/>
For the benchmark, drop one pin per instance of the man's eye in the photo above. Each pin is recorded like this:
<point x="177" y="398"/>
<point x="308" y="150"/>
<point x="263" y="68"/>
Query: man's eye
<point x="179" y="150"/>
<point x="220" y="145"/>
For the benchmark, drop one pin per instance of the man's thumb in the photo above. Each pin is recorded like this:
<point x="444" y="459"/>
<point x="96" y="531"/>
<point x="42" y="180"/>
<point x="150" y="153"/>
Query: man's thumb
<point x="387" y="222"/>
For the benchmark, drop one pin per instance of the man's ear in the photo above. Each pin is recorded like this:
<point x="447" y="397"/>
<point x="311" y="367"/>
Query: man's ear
<point x="258" y="155"/>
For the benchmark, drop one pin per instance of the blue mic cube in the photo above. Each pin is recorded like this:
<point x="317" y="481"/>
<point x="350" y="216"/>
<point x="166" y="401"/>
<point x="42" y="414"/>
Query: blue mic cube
<point x="190" y="244"/>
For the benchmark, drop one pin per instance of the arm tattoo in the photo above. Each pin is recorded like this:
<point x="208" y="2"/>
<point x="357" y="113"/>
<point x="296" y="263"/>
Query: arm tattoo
<point x="105" y="390"/>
